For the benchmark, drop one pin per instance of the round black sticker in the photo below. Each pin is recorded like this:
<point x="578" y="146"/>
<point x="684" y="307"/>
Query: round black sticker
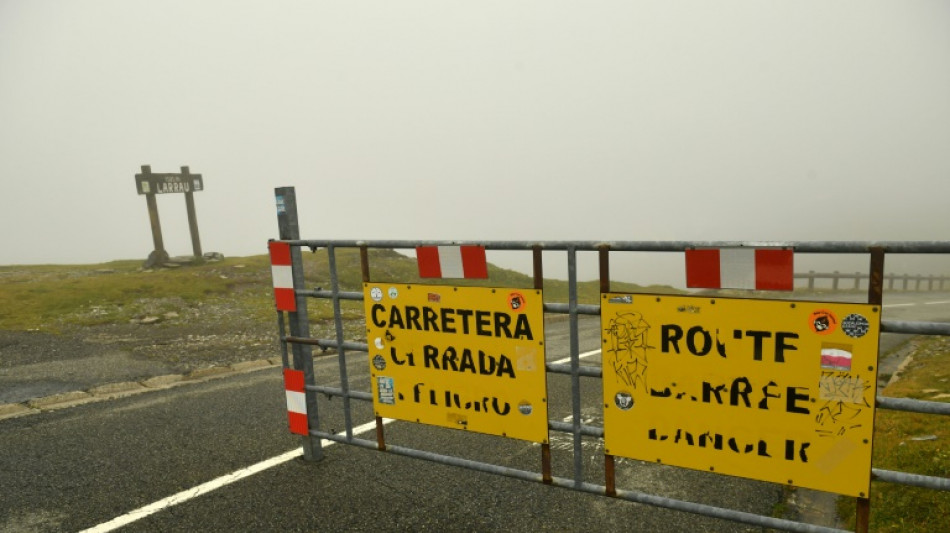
<point x="855" y="325"/>
<point x="379" y="362"/>
<point x="623" y="400"/>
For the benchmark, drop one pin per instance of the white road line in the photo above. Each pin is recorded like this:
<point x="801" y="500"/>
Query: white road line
<point x="898" y="305"/>
<point x="214" y="484"/>
<point x="941" y="302"/>
<point x="568" y="359"/>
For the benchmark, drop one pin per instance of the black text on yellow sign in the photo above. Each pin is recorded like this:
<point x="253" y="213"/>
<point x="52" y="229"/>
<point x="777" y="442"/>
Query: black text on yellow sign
<point x="469" y="358"/>
<point x="772" y="390"/>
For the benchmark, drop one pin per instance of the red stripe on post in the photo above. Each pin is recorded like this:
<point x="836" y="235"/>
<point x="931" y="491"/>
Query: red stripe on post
<point x="286" y="300"/>
<point x="298" y="423"/>
<point x="293" y="380"/>
<point x="702" y="269"/>
<point x="474" y="263"/>
<point x="279" y="253"/>
<point x="428" y="259"/>
<point x="774" y="270"/>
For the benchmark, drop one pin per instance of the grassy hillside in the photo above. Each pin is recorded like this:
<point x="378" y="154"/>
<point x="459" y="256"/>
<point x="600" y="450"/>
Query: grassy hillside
<point x="53" y="297"/>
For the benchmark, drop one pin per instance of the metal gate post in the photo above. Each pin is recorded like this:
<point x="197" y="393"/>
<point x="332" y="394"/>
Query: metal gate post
<point x="538" y="269"/>
<point x="299" y="325"/>
<point x="575" y="365"/>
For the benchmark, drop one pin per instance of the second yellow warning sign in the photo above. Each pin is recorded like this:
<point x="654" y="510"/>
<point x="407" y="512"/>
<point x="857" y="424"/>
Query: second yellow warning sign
<point x="773" y="390"/>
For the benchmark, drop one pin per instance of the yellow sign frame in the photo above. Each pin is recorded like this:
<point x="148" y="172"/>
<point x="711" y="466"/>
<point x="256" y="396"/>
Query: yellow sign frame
<point x="469" y="358"/>
<point x="773" y="390"/>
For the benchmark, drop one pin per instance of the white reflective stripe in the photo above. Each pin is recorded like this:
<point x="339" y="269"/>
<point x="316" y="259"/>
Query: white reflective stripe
<point x="283" y="276"/>
<point x="296" y="402"/>
<point x="214" y="484"/>
<point x="450" y="262"/>
<point x="737" y="268"/>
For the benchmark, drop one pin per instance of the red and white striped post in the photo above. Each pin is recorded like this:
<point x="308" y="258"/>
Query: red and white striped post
<point x="287" y="272"/>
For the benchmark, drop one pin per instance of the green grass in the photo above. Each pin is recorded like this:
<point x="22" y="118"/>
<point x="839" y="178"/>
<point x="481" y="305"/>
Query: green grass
<point x="52" y="297"/>
<point x="899" y="507"/>
<point x="48" y="297"/>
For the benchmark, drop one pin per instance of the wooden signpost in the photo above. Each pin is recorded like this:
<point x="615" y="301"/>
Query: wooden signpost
<point x="150" y="184"/>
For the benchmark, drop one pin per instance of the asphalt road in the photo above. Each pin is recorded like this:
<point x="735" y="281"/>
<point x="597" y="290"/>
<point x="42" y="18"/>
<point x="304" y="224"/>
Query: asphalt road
<point x="77" y="468"/>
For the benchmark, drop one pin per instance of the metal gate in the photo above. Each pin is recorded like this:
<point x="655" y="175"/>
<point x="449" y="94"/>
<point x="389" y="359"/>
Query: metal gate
<point x="292" y="294"/>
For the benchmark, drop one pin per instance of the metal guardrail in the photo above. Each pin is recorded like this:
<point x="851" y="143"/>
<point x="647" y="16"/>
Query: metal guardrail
<point x="299" y="342"/>
<point x="861" y="280"/>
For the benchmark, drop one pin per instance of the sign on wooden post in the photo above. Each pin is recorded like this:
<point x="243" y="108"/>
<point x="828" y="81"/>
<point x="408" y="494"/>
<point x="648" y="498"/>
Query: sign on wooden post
<point x="150" y="184"/>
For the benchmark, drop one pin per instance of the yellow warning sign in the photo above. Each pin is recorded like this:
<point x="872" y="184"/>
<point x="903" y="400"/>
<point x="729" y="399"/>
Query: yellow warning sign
<point x="469" y="358"/>
<point x="773" y="390"/>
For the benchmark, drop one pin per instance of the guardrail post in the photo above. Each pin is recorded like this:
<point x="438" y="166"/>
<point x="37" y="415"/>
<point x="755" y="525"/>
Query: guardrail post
<point x="289" y="229"/>
<point x="834" y="281"/>
<point x="811" y="280"/>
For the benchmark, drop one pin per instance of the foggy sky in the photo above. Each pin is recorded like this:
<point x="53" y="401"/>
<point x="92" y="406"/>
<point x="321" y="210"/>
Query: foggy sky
<point x="490" y="120"/>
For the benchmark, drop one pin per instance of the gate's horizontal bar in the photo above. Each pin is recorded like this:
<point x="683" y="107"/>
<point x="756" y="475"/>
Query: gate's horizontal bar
<point x="319" y="293"/>
<point x="334" y="391"/>
<point x="837" y="247"/>
<point x="920" y="328"/>
<point x="567" y="427"/>
<point x="913" y="406"/>
<point x="633" y="496"/>
<point x="556" y="425"/>
<point x="587" y="371"/>
<point x="916" y="480"/>
<point x="582" y="309"/>
<point x="328" y="343"/>
<point x="716" y="512"/>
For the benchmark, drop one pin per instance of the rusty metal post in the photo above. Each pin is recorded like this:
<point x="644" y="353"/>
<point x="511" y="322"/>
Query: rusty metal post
<point x="192" y="217"/>
<point x="364" y="263"/>
<point x="364" y="271"/>
<point x="610" y="473"/>
<point x="875" y="297"/>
